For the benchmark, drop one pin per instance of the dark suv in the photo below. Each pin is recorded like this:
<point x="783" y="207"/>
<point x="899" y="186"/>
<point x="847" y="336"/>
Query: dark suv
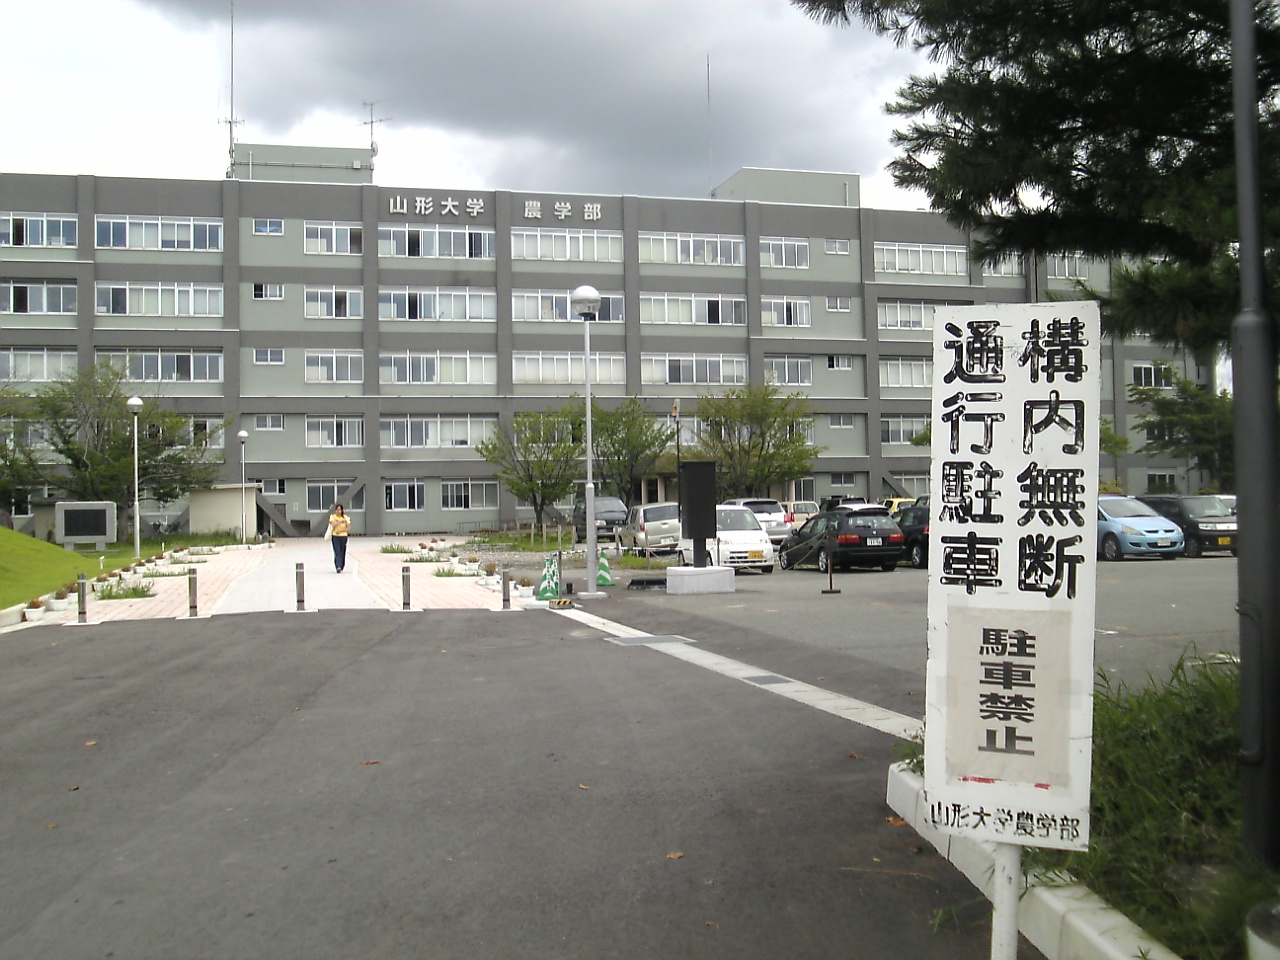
<point x="1206" y="521"/>
<point x="611" y="513"/>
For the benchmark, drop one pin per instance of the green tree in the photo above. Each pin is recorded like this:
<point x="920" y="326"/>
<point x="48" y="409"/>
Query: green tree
<point x="757" y="438"/>
<point x="1193" y="423"/>
<point x="539" y="456"/>
<point x="76" y="435"/>
<point x="627" y="442"/>
<point x="1103" y="128"/>
<point x="1110" y="443"/>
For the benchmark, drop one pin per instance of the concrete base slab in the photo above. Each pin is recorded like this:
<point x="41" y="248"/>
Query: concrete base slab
<point x="686" y="580"/>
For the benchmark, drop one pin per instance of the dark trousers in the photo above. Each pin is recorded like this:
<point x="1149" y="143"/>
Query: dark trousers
<point x="339" y="552"/>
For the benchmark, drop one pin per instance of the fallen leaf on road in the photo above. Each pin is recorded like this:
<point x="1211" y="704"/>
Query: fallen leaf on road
<point x="675" y="856"/>
<point x="855" y="756"/>
<point x="91" y="743"/>
<point x="711" y="923"/>
<point x="50" y="826"/>
<point x="895" y="821"/>
<point x="73" y="788"/>
<point x="369" y="763"/>
<point x="822" y="678"/>
<point x="583" y="786"/>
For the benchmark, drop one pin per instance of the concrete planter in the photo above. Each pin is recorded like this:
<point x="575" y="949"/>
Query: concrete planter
<point x="32" y="614"/>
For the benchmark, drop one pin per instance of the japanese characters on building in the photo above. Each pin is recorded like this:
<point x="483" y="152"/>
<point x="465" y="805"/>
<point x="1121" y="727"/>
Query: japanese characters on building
<point x="460" y="206"/>
<point x="1013" y="506"/>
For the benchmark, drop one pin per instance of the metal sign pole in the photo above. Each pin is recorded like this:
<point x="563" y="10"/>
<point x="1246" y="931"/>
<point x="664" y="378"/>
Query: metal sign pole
<point x="1006" y="885"/>
<point x="404" y="587"/>
<point x="82" y="599"/>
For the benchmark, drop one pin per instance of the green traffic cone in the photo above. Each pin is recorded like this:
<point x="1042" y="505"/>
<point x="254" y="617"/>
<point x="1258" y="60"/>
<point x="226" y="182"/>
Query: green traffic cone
<point x="603" y="577"/>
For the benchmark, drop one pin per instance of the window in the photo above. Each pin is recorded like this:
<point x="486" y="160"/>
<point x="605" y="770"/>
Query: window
<point x="1152" y="375"/>
<point x="468" y="494"/>
<point x="844" y="479"/>
<point x="268" y="291"/>
<point x="268" y="421"/>
<point x="900" y="428"/>
<point x="710" y="309"/>
<point x="692" y="248"/>
<point x="438" y="368"/>
<point x="553" y="243"/>
<point x="405" y="494"/>
<point x="37" y="230"/>
<point x="840" y="421"/>
<point x="555" y="305"/>
<point x="839" y="304"/>
<point x="158" y="233"/>
<point x="36" y="364"/>
<point x="271" y="355"/>
<point x="839" y="361"/>
<point x="791" y="371"/>
<point x="205" y="432"/>
<point x="836" y="246"/>
<point x="166" y="366"/>
<point x="271" y="486"/>
<point x="268" y="228"/>
<point x="906" y="371"/>
<point x="159" y="299"/>
<point x="915" y="484"/>
<point x="1067" y="266"/>
<point x="335" y="431"/>
<point x="907" y="314"/>
<point x="323" y="494"/>
<point x="939" y="259"/>
<point x="437" y="240"/>
<point x="693" y="368"/>
<point x="784" y="252"/>
<point x="37" y="296"/>
<point x="785" y="311"/>
<point x="1162" y="483"/>
<point x="334" y="366"/>
<point x="330" y="238"/>
<point x="1010" y="266"/>
<point x="435" y="431"/>
<point x="437" y="303"/>
<point x="341" y="303"/>
<point x="533" y="366"/>
<point x="804" y="428"/>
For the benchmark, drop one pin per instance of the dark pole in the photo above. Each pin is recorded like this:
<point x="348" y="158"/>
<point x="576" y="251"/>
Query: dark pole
<point x="1257" y="420"/>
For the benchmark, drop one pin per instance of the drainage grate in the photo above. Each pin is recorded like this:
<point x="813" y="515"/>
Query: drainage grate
<point x="647" y="583"/>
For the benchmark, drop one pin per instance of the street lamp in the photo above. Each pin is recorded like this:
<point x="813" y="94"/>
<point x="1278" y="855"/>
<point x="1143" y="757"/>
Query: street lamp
<point x="243" y="435"/>
<point x="675" y="419"/>
<point x="586" y="303"/>
<point x="135" y="407"/>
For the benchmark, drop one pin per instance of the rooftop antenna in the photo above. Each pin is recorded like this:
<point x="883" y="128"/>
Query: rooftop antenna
<point x="710" y="179"/>
<point x="232" y="120"/>
<point x="370" y="123"/>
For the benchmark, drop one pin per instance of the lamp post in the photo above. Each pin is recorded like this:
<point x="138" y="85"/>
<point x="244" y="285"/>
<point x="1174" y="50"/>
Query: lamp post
<point x="135" y="406"/>
<point x="675" y="420"/>
<point x="586" y="303"/>
<point x="243" y="435"/>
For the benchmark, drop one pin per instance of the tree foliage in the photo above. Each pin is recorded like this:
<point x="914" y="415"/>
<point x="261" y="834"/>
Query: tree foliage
<point x="1191" y="422"/>
<point x="1102" y="126"/>
<point x="757" y="438"/>
<point x="76" y="435"/>
<point x="539" y="456"/>
<point x="627" y="442"/>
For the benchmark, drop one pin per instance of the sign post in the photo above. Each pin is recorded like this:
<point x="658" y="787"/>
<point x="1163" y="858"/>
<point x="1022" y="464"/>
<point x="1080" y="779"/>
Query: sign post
<point x="1013" y="502"/>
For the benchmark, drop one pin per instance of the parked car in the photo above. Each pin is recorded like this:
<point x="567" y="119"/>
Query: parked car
<point x="897" y="503"/>
<point x="652" y="526"/>
<point x="832" y="502"/>
<point x="610" y="512"/>
<point x="1205" y="520"/>
<point x="770" y="513"/>
<point x="914" y="523"/>
<point x="798" y="511"/>
<point x="1230" y="500"/>
<point x="740" y="541"/>
<point x="862" y="538"/>
<point x="1127" y="526"/>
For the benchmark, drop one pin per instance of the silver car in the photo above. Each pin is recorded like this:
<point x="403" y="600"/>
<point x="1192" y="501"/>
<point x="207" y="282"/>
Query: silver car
<point x="651" y="526"/>
<point x="771" y="514"/>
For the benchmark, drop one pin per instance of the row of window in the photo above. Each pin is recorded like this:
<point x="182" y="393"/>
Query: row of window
<point x="454" y="494"/>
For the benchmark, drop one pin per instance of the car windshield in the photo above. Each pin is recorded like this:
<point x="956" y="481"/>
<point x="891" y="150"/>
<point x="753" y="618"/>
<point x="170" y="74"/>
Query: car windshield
<point x="1198" y="507"/>
<point x="1126" y="508"/>
<point x="736" y="520"/>
<point x="669" y="512"/>
<point x="763" y="506"/>
<point x="610" y="505"/>
<point x="868" y="521"/>
<point x="804" y="506"/>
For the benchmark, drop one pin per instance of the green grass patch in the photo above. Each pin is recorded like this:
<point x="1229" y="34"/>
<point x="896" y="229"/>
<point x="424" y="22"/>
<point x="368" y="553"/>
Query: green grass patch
<point x="396" y="548"/>
<point x="130" y="590"/>
<point x="636" y="561"/>
<point x="519" y="543"/>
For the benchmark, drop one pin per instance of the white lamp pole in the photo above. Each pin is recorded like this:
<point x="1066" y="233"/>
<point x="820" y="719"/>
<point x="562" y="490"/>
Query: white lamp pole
<point x="243" y="435"/>
<point x="586" y="304"/>
<point x="135" y="406"/>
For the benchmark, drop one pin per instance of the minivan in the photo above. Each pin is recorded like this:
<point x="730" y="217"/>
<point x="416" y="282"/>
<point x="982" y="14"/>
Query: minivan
<point x="651" y="526"/>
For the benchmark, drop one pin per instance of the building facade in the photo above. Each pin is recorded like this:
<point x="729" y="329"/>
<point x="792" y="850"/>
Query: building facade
<point x="367" y="338"/>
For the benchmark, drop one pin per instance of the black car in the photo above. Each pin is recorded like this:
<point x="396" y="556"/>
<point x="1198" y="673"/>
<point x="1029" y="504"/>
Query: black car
<point x="611" y="513"/>
<point x="914" y="522"/>
<point x="1206" y="522"/>
<point x="845" y="538"/>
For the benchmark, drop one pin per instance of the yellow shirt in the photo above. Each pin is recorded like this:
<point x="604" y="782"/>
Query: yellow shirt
<point x="341" y="526"/>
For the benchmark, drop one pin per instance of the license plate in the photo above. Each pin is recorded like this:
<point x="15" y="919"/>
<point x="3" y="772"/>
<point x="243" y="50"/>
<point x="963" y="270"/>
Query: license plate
<point x="1164" y="543"/>
<point x="875" y="541"/>
<point x="667" y="540"/>
<point x="1224" y="541"/>
<point x="755" y="554"/>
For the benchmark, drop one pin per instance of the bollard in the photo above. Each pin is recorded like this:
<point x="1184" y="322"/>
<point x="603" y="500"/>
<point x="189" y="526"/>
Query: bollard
<point x="404" y="587"/>
<point x="831" y="562"/>
<point x="82" y="598"/>
<point x="506" y="587"/>
<point x="191" y="592"/>
<point x="302" y="594"/>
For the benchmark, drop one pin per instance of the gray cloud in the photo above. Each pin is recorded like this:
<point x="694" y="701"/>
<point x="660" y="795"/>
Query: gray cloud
<point x="586" y="95"/>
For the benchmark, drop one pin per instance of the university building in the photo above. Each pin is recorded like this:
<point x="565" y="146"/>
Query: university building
<point x="367" y="337"/>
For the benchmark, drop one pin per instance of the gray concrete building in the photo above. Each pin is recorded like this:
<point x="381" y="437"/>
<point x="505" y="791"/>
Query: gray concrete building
<point x="367" y="337"/>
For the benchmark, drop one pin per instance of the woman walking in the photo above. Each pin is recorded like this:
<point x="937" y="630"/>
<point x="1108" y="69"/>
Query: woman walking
<point x="339" y="528"/>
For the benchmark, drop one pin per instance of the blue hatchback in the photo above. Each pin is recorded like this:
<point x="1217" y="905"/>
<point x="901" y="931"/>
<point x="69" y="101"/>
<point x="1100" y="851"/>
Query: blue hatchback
<point x="1129" y="526"/>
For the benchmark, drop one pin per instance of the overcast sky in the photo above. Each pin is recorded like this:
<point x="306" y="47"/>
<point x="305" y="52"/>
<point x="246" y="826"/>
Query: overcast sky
<point x="583" y="96"/>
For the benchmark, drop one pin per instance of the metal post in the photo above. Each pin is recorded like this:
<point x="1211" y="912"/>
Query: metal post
<point x="831" y="566"/>
<point x="506" y="587"/>
<point x="404" y="587"/>
<point x="593" y="558"/>
<point x="192" y="610"/>
<point x="137" y="512"/>
<point x="82" y="599"/>
<point x="1257" y="424"/>
<point x="1006" y="885"/>
<point x="300" y="578"/>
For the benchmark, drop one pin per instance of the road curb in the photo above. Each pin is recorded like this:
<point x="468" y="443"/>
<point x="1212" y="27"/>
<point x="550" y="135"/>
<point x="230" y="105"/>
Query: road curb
<point x="1063" y="922"/>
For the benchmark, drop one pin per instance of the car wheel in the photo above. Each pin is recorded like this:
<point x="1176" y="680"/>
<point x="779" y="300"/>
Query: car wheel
<point x="1194" y="548"/>
<point x="1111" y="548"/>
<point x="824" y="562"/>
<point x="784" y="560"/>
<point x="918" y="559"/>
<point x="889" y="567"/>
<point x="768" y="569"/>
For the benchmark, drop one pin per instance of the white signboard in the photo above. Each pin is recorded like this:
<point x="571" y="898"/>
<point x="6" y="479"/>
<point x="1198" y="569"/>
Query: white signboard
<point x="1013" y="530"/>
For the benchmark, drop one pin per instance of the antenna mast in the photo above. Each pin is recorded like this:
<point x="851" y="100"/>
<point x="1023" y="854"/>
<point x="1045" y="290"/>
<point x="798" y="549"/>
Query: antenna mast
<point x="232" y="120"/>
<point x="371" y="122"/>
<point x="710" y="179"/>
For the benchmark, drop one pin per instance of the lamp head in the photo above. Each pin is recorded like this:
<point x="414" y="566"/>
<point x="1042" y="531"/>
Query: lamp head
<point x="243" y="435"/>
<point x="585" y="301"/>
<point x="134" y="404"/>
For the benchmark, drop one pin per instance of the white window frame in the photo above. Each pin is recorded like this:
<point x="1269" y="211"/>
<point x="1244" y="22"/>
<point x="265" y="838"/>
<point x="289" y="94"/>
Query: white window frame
<point x="556" y="366"/>
<point x="1009" y="266"/>
<point x="839" y="304"/>
<point x="919" y="370"/>
<point x="326" y="494"/>
<point x="1152" y="374"/>
<point x="128" y="299"/>
<point x="697" y="248"/>
<point x="437" y="368"/>
<point x="796" y="370"/>
<point x="63" y="297"/>
<point x="272" y="486"/>
<point x="786" y="312"/>
<point x="268" y="422"/>
<point x="268" y="291"/>
<point x="333" y="303"/>
<point x="695" y="308"/>
<point x="332" y="238"/>
<point x="931" y="259"/>
<point x="335" y="431"/>
<point x="844" y="478"/>
<point x="469" y="304"/>
<point x="333" y="366"/>
<point x="715" y="368"/>
<point x="185" y="234"/>
<point x="268" y="227"/>
<point x="437" y="241"/>
<point x="453" y="491"/>
<point x="559" y="243"/>
<point x="839" y="361"/>
<point x="36" y="364"/>
<point x="1067" y="266"/>
<point x="404" y="495"/>
<point x="555" y="306"/>
<point x="268" y="356"/>
<point x="901" y="427"/>
<point x="835" y="246"/>
<point x="842" y="421"/>
<point x="165" y="365"/>
<point x="62" y="226"/>
<point x="435" y="431"/>
<point x="791" y="253"/>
